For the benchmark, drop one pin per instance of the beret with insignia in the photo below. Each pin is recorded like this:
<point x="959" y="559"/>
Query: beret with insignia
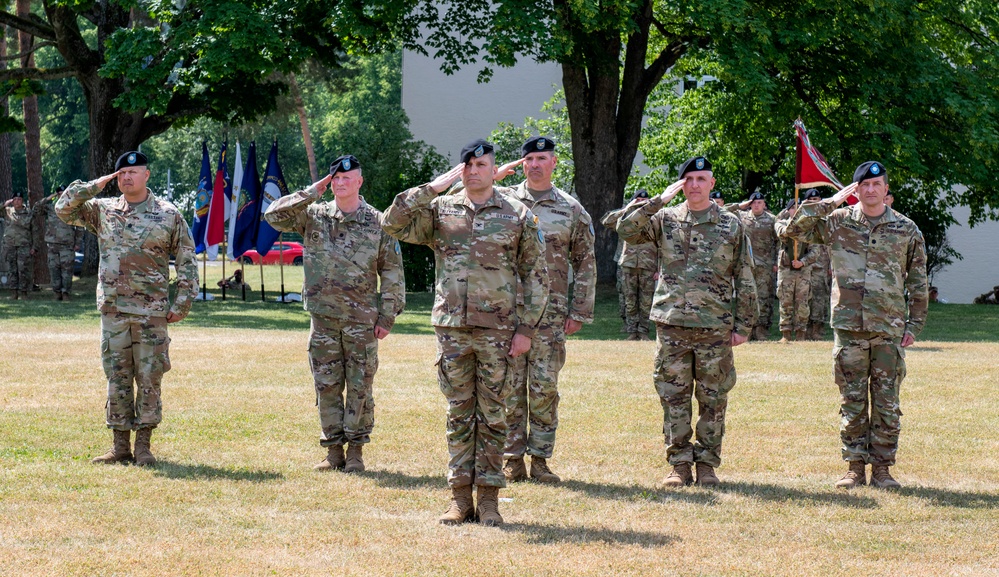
<point x="870" y="169"/>
<point x="475" y="149"/>
<point x="131" y="158"/>
<point x="756" y="196"/>
<point x="537" y="144"/>
<point x="641" y="193"/>
<point x="692" y="164"/>
<point x="344" y="163"/>
<point x="715" y="194"/>
<point x="812" y="193"/>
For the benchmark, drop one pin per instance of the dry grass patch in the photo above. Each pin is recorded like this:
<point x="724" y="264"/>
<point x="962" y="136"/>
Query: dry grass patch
<point x="235" y="493"/>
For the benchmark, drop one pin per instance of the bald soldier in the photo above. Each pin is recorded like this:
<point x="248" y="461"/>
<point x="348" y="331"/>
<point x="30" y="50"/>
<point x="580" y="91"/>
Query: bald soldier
<point x="354" y="289"/>
<point x="17" y="245"/>
<point x="759" y="223"/>
<point x="532" y="407"/>
<point x="879" y="307"/>
<point x="484" y="242"/>
<point x="705" y="304"/>
<point x="137" y="233"/>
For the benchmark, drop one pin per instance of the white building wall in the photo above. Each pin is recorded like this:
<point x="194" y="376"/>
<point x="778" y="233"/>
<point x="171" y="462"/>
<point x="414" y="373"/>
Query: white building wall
<point x="964" y="280"/>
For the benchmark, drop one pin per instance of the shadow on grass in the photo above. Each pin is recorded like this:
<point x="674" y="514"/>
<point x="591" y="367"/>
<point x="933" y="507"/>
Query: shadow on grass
<point x="173" y="470"/>
<point x="765" y="492"/>
<point x="395" y="479"/>
<point x="557" y="535"/>
<point x="959" y="499"/>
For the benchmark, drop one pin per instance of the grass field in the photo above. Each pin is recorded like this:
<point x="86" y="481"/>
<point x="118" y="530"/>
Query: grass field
<point x="234" y="492"/>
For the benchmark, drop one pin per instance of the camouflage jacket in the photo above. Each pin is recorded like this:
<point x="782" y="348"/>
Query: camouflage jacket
<point x="705" y="269"/>
<point x="57" y="232"/>
<point x="629" y="254"/>
<point x="807" y="254"/>
<point x="762" y="237"/>
<point x="353" y="270"/>
<point x="568" y="232"/>
<point x="820" y="268"/>
<point x="17" y="226"/>
<point x="879" y="272"/>
<point x="479" y="255"/>
<point x="135" y="246"/>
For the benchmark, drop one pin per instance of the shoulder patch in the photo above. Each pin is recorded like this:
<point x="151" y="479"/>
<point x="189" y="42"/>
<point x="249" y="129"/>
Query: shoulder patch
<point x="397" y="248"/>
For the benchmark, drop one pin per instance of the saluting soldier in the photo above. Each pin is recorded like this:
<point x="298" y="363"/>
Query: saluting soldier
<point x="137" y="233"/>
<point x="354" y="289"/>
<point x="820" y="285"/>
<point x="17" y="245"/>
<point x="485" y="243"/>
<point x="532" y="407"/>
<point x="637" y="263"/>
<point x="879" y="308"/>
<point x="759" y="223"/>
<point x="705" y="304"/>
<point x="61" y="240"/>
<point x="794" y="280"/>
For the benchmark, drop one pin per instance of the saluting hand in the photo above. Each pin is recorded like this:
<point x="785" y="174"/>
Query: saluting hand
<point x="672" y="190"/>
<point x="444" y="181"/>
<point x="507" y="169"/>
<point x="844" y="193"/>
<point x="323" y="184"/>
<point x="104" y="180"/>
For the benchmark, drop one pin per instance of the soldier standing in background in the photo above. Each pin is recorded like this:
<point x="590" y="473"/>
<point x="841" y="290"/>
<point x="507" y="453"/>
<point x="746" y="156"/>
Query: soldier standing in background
<point x="637" y="264"/>
<point x="532" y="407"/>
<point x="354" y="289"/>
<point x="794" y="280"/>
<point x="759" y="223"/>
<point x="136" y="235"/>
<point x="879" y="286"/>
<point x="820" y="286"/>
<point x="609" y="220"/>
<point x="485" y="243"/>
<point x="61" y="240"/>
<point x="717" y="198"/>
<point x="705" y="304"/>
<point x="17" y="245"/>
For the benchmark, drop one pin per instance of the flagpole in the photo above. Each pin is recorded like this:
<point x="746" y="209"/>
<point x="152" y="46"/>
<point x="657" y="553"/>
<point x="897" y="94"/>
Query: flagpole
<point x="281" y="261"/>
<point x="204" y="274"/>
<point x="224" y="257"/>
<point x="261" y="263"/>
<point x="242" y="275"/>
<point x="796" y="188"/>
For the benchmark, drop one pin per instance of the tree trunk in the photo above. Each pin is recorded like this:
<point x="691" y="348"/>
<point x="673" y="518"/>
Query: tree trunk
<point x="310" y="152"/>
<point x="33" y="154"/>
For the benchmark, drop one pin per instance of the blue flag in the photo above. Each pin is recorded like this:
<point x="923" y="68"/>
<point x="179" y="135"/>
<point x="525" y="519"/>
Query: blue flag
<point x="202" y="202"/>
<point x="274" y="188"/>
<point x="248" y="211"/>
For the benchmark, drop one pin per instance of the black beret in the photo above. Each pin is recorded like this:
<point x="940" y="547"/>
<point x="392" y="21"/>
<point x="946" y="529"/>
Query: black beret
<point x="475" y="148"/>
<point x="790" y="203"/>
<point x="131" y="158"/>
<point x="60" y="188"/>
<point x="756" y="196"/>
<point x="537" y="144"/>
<point x="716" y="194"/>
<point x="641" y="193"/>
<point x="692" y="164"/>
<point x="344" y="163"/>
<point x="812" y="193"/>
<point x="870" y="169"/>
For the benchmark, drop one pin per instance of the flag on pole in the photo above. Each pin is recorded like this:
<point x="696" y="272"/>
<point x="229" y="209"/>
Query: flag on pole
<point x="810" y="167"/>
<point x="237" y="182"/>
<point x="274" y="188"/>
<point x="248" y="209"/>
<point x="217" y="211"/>
<point x="202" y="201"/>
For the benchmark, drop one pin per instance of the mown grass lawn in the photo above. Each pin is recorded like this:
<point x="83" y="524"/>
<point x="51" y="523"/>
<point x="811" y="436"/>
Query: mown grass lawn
<point x="234" y="492"/>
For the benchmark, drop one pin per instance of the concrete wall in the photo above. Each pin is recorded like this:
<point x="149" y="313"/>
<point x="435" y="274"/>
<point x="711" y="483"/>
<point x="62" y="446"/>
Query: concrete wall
<point x="962" y="281"/>
<point x="448" y="112"/>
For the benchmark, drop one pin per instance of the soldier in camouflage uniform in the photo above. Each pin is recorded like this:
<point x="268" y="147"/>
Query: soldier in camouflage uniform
<point x="759" y="223"/>
<point x="820" y="284"/>
<point x="136" y="234"/>
<point x="609" y="220"/>
<point x="568" y="229"/>
<point x="879" y="307"/>
<point x="17" y="245"/>
<point x="484" y="242"/>
<point x="354" y="289"/>
<point x="637" y="264"/>
<point x="61" y="240"/>
<point x="705" y="304"/>
<point x="794" y="280"/>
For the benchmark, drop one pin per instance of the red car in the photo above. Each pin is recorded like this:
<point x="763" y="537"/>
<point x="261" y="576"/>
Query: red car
<point x="292" y="254"/>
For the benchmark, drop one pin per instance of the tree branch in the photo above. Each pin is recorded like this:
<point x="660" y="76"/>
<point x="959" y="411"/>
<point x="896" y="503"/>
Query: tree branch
<point x="33" y="49"/>
<point x="36" y="73"/>
<point x="32" y="25"/>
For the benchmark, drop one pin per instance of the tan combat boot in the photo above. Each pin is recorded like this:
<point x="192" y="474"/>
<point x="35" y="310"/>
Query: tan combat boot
<point x="799" y="335"/>
<point x="785" y="336"/>
<point x="487" y="510"/>
<point x="334" y="459"/>
<point x="856" y="476"/>
<point x="120" y="453"/>
<point x="461" y="509"/>
<point x="706" y="475"/>
<point x="882" y="479"/>
<point x="633" y="337"/>
<point x="355" y="464"/>
<point x="680" y="476"/>
<point x="541" y="473"/>
<point x="515" y="470"/>
<point x="760" y="333"/>
<point x="143" y="456"/>
<point x="644" y="337"/>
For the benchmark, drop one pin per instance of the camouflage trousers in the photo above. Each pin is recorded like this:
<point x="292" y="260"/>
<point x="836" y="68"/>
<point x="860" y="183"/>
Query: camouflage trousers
<point x="821" y="295"/>
<point x="19" y="267"/>
<point x="793" y="292"/>
<point x="869" y="369"/>
<point x="639" y="286"/>
<point x="532" y="404"/>
<point x="622" y="304"/>
<point x="693" y="363"/>
<point x="472" y="365"/>
<point x="61" y="258"/>
<point x="134" y="349"/>
<point x="764" y="277"/>
<point x="344" y="357"/>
